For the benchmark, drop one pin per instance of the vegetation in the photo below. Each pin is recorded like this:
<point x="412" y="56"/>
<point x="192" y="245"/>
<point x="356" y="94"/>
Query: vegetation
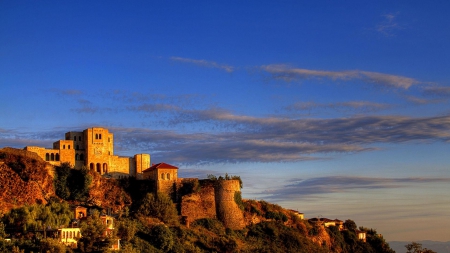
<point x="415" y="247"/>
<point x="148" y="222"/>
<point x="72" y="184"/>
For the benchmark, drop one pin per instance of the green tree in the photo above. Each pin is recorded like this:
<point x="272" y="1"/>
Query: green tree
<point x="60" y="181"/>
<point x="350" y="225"/>
<point x="162" y="237"/>
<point x="93" y="237"/>
<point x="415" y="247"/>
<point x="159" y="206"/>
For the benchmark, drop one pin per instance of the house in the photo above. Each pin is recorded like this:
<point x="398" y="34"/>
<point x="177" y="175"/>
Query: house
<point x="69" y="236"/>
<point x="361" y="235"/>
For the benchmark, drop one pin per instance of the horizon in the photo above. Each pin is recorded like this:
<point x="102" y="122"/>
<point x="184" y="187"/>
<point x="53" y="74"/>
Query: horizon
<point x="337" y="110"/>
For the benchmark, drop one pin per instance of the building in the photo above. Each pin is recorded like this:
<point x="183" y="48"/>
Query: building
<point x="93" y="148"/>
<point x="69" y="236"/>
<point x="165" y="176"/>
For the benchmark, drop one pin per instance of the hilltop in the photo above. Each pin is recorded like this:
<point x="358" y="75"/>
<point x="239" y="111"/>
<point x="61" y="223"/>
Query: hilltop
<point x="149" y="222"/>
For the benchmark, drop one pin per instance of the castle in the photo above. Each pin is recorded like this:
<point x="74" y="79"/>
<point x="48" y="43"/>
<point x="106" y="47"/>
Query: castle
<point x="93" y="149"/>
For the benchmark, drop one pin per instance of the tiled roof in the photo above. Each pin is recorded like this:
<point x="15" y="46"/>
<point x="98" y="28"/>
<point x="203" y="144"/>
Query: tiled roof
<point x="160" y="166"/>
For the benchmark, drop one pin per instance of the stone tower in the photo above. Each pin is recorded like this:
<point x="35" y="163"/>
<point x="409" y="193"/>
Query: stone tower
<point x="226" y="208"/>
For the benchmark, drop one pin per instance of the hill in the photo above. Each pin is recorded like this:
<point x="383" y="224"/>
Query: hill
<point x="149" y="222"/>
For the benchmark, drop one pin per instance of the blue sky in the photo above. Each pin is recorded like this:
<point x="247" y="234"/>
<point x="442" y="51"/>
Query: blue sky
<point x="338" y="110"/>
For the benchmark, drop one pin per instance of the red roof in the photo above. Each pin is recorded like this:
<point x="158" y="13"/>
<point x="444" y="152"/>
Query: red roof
<point x="160" y="166"/>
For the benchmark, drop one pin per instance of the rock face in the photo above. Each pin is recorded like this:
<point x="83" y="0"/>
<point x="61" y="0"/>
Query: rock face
<point x="24" y="179"/>
<point x="107" y="193"/>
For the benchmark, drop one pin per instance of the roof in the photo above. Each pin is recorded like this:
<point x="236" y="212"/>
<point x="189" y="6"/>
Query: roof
<point x="160" y="166"/>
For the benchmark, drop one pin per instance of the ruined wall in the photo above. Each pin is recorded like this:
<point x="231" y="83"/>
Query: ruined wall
<point x="198" y="205"/>
<point x="226" y="208"/>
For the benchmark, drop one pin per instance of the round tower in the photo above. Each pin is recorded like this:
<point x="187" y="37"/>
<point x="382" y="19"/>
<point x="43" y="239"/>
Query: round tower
<point x="226" y="207"/>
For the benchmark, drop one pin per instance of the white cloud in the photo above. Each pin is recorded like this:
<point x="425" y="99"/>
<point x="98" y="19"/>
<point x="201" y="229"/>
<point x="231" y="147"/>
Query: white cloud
<point x="287" y="73"/>
<point x="204" y="63"/>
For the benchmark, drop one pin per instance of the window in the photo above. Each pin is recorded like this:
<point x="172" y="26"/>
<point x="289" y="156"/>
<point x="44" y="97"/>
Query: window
<point x="68" y="147"/>
<point x="81" y="157"/>
<point x="79" y="138"/>
<point x="168" y="176"/>
<point x="100" y="136"/>
<point x="77" y="157"/>
<point x="57" y="157"/>
<point x="78" y="147"/>
<point x="162" y="176"/>
<point x="52" y="157"/>
<point x="64" y="146"/>
<point x="47" y="157"/>
<point x="74" y="138"/>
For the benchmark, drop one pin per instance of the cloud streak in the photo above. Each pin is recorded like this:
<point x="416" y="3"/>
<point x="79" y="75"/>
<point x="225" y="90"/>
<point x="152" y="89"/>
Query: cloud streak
<point x="299" y="188"/>
<point x="204" y="63"/>
<point x="288" y="74"/>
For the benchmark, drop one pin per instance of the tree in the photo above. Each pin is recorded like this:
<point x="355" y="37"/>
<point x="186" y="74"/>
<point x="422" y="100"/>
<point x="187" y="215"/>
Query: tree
<point x="415" y="247"/>
<point x="350" y="225"/>
<point x="159" y="206"/>
<point x="93" y="237"/>
<point x="162" y="237"/>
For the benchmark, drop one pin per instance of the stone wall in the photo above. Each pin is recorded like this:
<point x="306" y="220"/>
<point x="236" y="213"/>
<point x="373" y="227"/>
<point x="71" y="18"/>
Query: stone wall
<point x="227" y="210"/>
<point x="199" y="205"/>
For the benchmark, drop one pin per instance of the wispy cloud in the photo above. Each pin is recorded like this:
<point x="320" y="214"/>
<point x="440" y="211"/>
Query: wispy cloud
<point x="287" y="73"/>
<point x="204" y="63"/>
<point x="388" y="26"/>
<point x="439" y="91"/>
<point x="299" y="188"/>
<point x="360" y="106"/>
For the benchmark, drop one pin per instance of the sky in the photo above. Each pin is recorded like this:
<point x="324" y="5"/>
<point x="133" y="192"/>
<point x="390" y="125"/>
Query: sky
<point x="335" y="109"/>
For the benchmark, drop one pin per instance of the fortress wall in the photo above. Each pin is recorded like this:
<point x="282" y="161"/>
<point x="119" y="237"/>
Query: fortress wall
<point x="226" y="208"/>
<point x="199" y="205"/>
<point x="121" y="164"/>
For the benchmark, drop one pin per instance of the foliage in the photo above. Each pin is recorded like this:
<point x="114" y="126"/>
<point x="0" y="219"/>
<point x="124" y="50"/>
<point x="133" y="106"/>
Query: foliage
<point x="92" y="234"/>
<point x="159" y="206"/>
<point x="188" y="187"/>
<point x="72" y="184"/>
<point x="126" y="229"/>
<point x="212" y="225"/>
<point x="415" y="247"/>
<point x="238" y="200"/>
<point x="226" y="177"/>
<point x="162" y="237"/>
<point x="38" y="217"/>
<point x="350" y="225"/>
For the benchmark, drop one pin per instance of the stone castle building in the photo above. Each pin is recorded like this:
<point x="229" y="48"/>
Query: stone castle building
<point x="93" y="148"/>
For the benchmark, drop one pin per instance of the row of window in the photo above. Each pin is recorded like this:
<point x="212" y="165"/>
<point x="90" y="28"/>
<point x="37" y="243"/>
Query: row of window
<point x="98" y="136"/>
<point x="165" y="176"/>
<point x="52" y="157"/>
<point x="75" y="138"/>
<point x="99" y="168"/>
<point x="70" y="234"/>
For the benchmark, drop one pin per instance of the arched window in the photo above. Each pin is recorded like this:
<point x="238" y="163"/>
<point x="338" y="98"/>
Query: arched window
<point x="162" y="176"/>
<point x="74" y="138"/>
<point x="79" y="138"/>
<point x="81" y="157"/>
<point x="91" y="166"/>
<point x="109" y="139"/>
<point x="77" y="157"/>
<point x="105" y="168"/>
<point x="99" y="168"/>
<point x="100" y="136"/>
<point x="168" y="176"/>
<point x="52" y="157"/>
<point x="47" y="157"/>
<point x="68" y="147"/>
<point x="57" y="157"/>
<point x="78" y="147"/>
<point x="64" y="146"/>
<point x="96" y="136"/>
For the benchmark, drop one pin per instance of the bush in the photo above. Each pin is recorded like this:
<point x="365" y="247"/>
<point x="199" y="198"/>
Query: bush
<point x="159" y="206"/>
